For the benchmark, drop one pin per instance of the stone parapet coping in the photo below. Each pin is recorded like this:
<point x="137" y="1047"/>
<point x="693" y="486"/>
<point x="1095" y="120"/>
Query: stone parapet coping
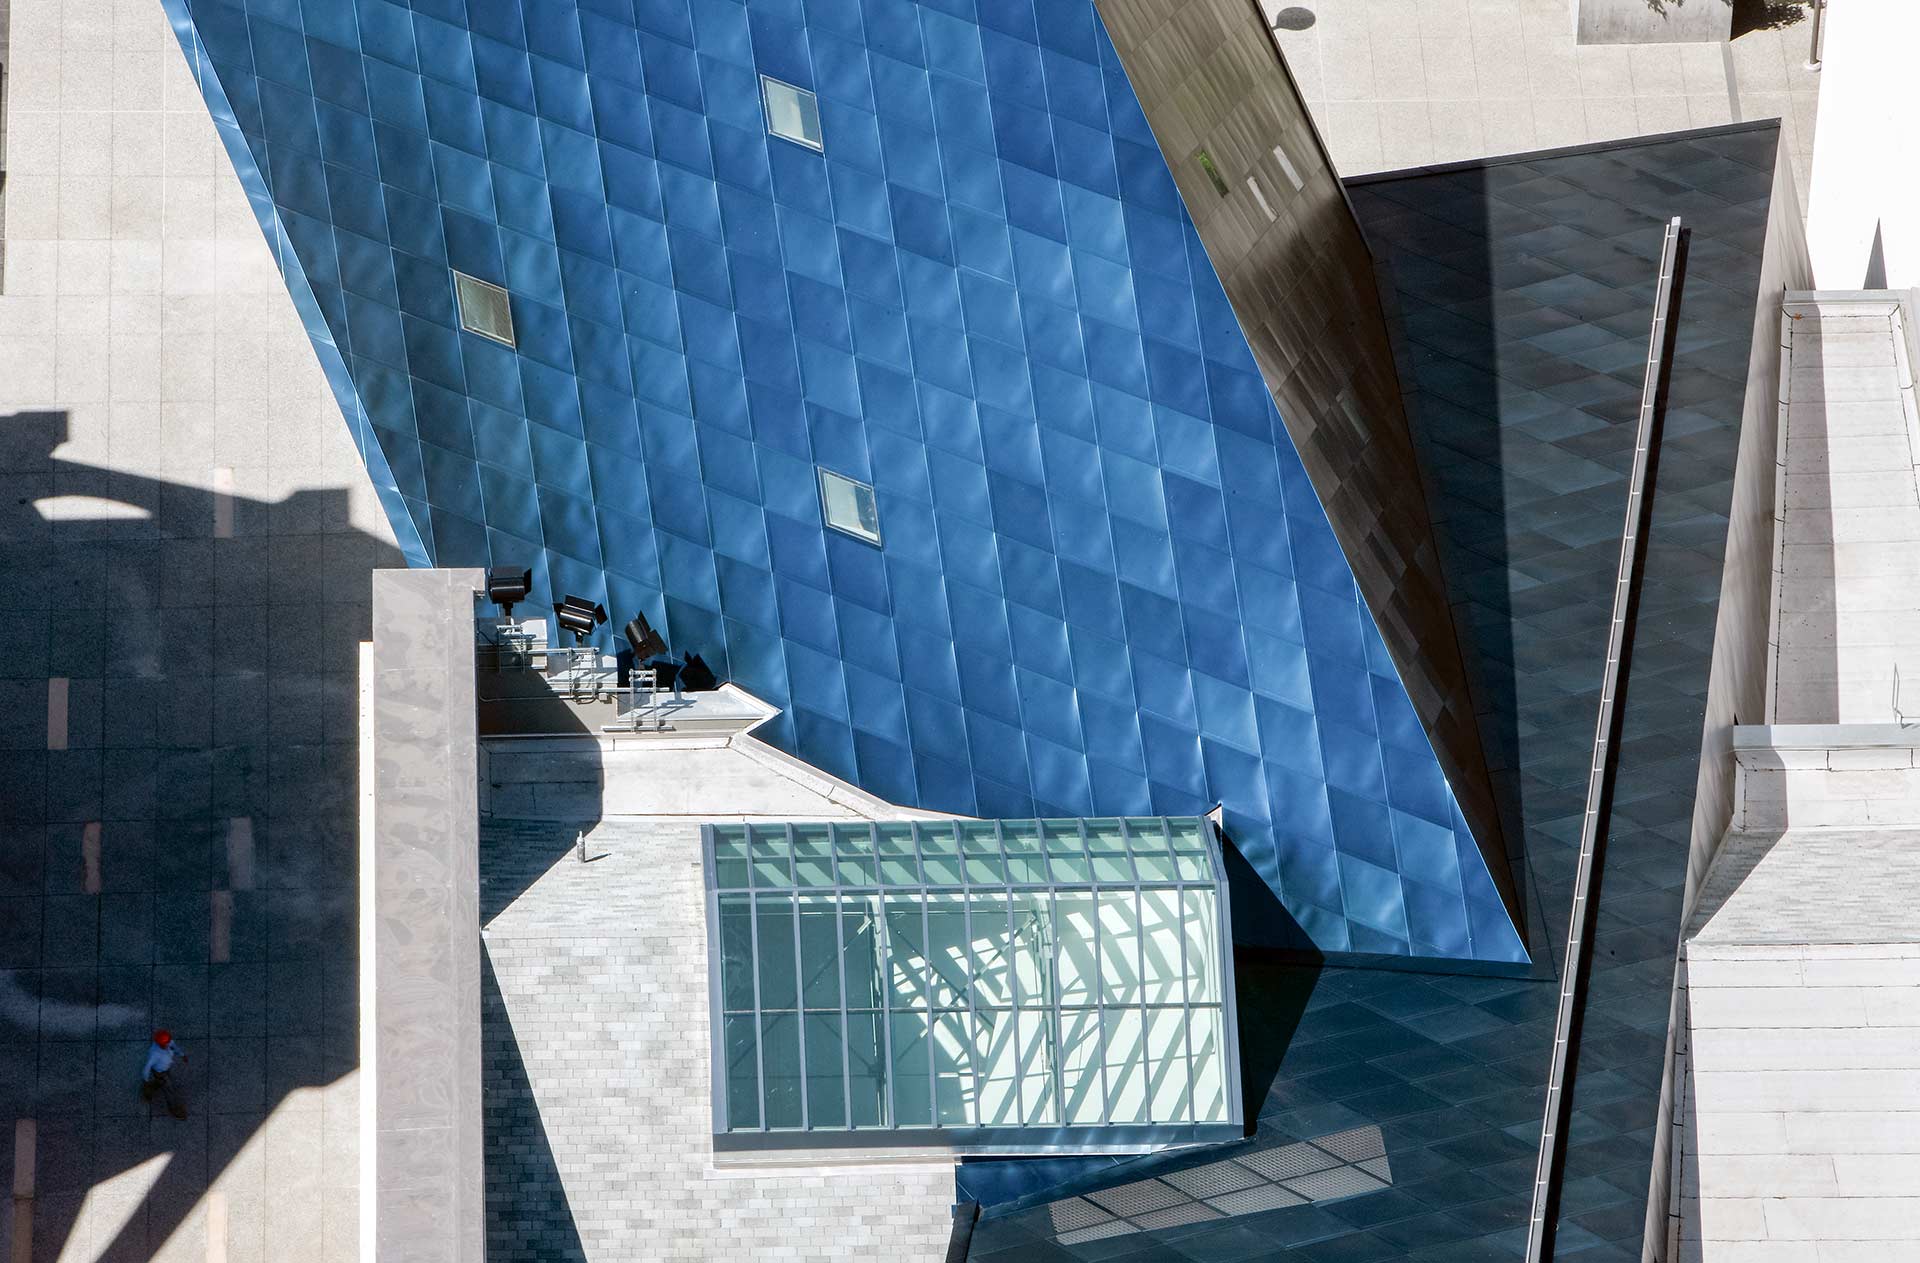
<point x="1837" y="747"/>
<point x="419" y="891"/>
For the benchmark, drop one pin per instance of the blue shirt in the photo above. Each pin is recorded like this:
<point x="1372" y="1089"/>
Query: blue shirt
<point x="159" y="1059"/>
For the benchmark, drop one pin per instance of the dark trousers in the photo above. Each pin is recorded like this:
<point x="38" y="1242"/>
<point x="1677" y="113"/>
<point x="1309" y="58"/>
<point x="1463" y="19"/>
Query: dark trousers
<point x="159" y="1082"/>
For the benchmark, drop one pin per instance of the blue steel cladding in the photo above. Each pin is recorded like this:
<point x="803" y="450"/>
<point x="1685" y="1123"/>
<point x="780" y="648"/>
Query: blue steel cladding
<point x="1106" y="585"/>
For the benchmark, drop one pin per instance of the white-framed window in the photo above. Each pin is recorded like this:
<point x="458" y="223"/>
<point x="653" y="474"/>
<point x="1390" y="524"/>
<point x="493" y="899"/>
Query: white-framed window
<point x="792" y="113"/>
<point x="849" y="506"/>
<point x="483" y="308"/>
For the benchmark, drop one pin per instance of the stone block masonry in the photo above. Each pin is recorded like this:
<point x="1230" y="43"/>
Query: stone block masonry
<point x="1798" y="1119"/>
<point x="598" y="1098"/>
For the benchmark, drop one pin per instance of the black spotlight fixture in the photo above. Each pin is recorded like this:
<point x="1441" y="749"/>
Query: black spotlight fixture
<point x="579" y="616"/>
<point x="507" y="588"/>
<point x="645" y="641"/>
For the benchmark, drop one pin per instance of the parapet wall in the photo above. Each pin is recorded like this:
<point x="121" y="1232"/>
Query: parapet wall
<point x="422" y="1180"/>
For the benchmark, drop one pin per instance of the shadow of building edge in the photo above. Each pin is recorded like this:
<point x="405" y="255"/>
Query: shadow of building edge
<point x="1278" y="983"/>
<point x="1484" y="612"/>
<point x="1496" y="716"/>
<point x="518" y="1153"/>
<point x="143" y="514"/>
<point x="1271" y="989"/>
<point x="527" y="1212"/>
<point x="511" y="865"/>
<point x="1582" y="967"/>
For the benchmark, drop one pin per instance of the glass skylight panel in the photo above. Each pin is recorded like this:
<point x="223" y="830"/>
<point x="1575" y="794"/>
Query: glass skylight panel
<point x="792" y="113"/>
<point x="484" y="308"/>
<point x="849" y="506"/>
<point x="953" y="984"/>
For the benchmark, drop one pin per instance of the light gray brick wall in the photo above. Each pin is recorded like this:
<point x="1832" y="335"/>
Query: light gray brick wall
<point x="599" y="1109"/>
<point x="1811" y="886"/>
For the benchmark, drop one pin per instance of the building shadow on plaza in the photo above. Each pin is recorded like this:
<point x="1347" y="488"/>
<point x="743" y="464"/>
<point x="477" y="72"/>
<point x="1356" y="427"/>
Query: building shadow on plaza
<point x="179" y="824"/>
<point x="188" y="857"/>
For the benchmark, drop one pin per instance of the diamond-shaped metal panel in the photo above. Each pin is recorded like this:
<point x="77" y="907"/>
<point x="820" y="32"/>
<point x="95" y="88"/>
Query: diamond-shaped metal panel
<point x="1287" y="1161"/>
<point x="1174" y="1216"/>
<point x="1134" y="1200"/>
<point x="1106" y="586"/>
<point x="1354" y="1145"/>
<point x="1254" y="1200"/>
<point x="1336" y="1182"/>
<point x="1074" y="1214"/>
<point x="1099" y="1232"/>
<point x="1212" y="1179"/>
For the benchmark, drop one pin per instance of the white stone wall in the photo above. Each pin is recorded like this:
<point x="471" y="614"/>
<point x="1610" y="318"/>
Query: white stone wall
<point x="1798" y="1120"/>
<point x="1875" y="787"/>
<point x="1742" y="638"/>
<point x="1804" y="1122"/>
<point x="419" y="902"/>
<point x="1847" y="618"/>
<point x="1865" y="206"/>
<point x="602" y="975"/>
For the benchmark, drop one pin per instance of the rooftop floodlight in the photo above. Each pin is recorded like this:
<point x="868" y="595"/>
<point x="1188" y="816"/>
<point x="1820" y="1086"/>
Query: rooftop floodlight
<point x="579" y="616"/>
<point x="507" y="588"/>
<point x="645" y="641"/>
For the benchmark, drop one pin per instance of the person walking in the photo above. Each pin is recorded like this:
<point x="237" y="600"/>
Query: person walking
<point x="156" y="1078"/>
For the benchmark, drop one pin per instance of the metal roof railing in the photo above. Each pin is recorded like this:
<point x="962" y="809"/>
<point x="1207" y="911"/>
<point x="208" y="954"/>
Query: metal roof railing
<point x="1601" y="769"/>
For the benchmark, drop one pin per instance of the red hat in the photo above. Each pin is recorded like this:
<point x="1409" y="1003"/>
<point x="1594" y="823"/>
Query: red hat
<point x="163" y="1038"/>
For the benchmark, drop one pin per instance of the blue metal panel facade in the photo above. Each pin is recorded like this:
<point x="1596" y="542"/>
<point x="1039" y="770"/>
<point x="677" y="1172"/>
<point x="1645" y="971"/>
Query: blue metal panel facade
<point x="1523" y="404"/>
<point x="1106" y="585"/>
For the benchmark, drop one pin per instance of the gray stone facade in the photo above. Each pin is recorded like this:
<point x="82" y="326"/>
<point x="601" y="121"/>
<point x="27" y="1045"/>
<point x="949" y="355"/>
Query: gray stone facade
<point x="598" y="1097"/>
<point x="1795" y="1124"/>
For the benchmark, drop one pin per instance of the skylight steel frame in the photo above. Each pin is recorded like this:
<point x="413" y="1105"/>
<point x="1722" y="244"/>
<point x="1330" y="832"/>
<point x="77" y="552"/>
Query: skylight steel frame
<point x="959" y="880"/>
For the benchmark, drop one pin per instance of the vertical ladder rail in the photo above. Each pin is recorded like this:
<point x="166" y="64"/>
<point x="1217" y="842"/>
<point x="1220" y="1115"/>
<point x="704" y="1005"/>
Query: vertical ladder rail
<point x="1600" y="771"/>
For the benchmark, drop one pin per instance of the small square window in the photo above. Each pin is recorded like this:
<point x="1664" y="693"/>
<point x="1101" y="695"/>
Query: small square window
<point x="792" y="113"/>
<point x="483" y="308"/>
<point x="850" y="506"/>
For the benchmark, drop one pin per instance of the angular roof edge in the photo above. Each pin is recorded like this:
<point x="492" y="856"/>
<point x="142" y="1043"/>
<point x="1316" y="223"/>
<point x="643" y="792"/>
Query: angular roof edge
<point x="1563" y="151"/>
